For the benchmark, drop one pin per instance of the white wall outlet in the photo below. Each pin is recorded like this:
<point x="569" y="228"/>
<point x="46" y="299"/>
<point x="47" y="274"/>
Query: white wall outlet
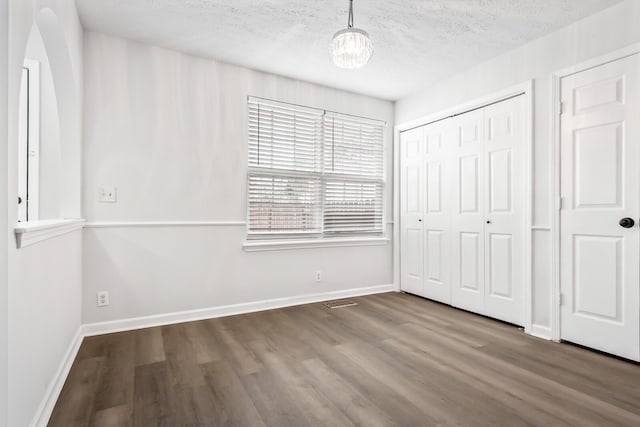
<point x="107" y="194"/>
<point x="318" y="275"/>
<point x="103" y="298"/>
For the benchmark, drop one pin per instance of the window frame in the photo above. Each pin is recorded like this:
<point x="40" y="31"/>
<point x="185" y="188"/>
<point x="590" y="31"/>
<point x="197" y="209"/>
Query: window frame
<point x="275" y="240"/>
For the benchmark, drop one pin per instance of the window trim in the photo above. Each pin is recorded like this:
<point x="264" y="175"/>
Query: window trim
<point x="259" y="245"/>
<point x="274" y="241"/>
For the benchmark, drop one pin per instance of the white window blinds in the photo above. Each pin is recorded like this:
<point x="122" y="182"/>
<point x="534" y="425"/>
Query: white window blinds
<point x="280" y="204"/>
<point x="353" y="165"/>
<point x="352" y="207"/>
<point x="284" y="137"/>
<point x="313" y="173"/>
<point x="352" y="146"/>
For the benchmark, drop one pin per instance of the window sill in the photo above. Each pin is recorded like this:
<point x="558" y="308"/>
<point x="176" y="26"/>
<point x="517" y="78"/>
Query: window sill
<point x="278" y="245"/>
<point x="30" y="233"/>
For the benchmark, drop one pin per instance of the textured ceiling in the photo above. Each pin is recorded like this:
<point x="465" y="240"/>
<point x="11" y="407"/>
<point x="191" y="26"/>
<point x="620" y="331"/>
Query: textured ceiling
<point x="416" y="42"/>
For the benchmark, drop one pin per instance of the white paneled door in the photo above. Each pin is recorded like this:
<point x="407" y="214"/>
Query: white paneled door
<point x="504" y="206"/>
<point x="437" y="216"/>
<point x="600" y="211"/>
<point x="412" y="201"/>
<point x="425" y="213"/>
<point x="468" y="216"/>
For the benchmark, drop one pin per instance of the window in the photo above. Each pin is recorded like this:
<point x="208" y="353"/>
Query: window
<point x="313" y="173"/>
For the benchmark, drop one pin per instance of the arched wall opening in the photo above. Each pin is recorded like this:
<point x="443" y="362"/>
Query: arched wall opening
<point x="54" y="145"/>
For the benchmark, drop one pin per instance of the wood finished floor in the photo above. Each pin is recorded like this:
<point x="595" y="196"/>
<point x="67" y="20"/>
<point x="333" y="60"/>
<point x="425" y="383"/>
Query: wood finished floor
<point x="394" y="359"/>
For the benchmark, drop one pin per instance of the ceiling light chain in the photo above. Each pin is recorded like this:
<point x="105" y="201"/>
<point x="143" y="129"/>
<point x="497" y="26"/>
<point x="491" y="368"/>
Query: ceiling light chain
<point x="351" y="47"/>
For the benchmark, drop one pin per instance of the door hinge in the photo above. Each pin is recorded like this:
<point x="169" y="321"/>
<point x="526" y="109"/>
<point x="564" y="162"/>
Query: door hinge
<point x="561" y="299"/>
<point x="560" y="200"/>
<point x="561" y="108"/>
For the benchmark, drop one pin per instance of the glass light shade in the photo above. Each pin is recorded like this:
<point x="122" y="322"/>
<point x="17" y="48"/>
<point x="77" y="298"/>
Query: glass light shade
<point x="351" y="48"/>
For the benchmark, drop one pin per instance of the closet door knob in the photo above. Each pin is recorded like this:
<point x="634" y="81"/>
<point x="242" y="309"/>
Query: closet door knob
<point x="419" y="220"/>
<point x="488" y="222"/>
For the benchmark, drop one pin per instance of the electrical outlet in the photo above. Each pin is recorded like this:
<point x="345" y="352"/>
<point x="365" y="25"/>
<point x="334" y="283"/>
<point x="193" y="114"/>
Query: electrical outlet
<point x="103" y="298"/>
<point x="318" y="275"/>
<point x="107" y="194"/>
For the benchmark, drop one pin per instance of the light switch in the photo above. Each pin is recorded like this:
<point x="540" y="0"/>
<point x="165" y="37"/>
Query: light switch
<point x="107" y="194"/>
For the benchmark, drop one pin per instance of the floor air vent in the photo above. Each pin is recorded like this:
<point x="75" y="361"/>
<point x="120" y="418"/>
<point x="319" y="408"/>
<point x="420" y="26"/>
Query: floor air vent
<point x="340" y="303"/>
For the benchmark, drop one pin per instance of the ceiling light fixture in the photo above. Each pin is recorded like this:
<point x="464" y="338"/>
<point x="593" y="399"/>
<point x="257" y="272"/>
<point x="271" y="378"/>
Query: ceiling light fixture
<point x="351" y="47"/>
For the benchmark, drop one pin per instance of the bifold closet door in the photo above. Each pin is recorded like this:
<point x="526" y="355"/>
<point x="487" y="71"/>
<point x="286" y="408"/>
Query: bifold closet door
<point x="488" y="217"/>
<point x="412" y="192"/>
<point x="437" y="238"/>
<point x="504" y="204"/>
<point x="467" y="216"/>
<point x="425" y="221"/>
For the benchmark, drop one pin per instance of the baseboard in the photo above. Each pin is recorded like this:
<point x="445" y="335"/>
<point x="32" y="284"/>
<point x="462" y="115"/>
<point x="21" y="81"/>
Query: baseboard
<point x="540" y="331"/>
<point x="109" y="327"/>
<point x="41" y="418"/>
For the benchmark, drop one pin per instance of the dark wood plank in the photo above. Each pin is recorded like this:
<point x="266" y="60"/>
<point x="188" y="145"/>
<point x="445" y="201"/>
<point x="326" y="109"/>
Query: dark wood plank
<point x="116" y="416"/>
<point x="231" y="403"/>
<point x="78" y="394"/>
<point x="181" y="358"/>
<point x="149" y="346"/>
<point x="115" y="385"/>
<point x="154" y="401"/>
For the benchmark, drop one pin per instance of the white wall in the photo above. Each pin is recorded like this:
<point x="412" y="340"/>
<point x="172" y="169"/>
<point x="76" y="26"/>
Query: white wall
<point x="44" y="280"/>
<point x="599" y="34"/>
<point x="169" y="130"/>
<point x="44" y="319"/>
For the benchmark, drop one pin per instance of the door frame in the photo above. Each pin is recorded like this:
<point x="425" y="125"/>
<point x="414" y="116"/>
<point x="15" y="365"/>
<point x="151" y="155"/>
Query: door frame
<point x="525" y="89"/>
<point x="555" y="162"/>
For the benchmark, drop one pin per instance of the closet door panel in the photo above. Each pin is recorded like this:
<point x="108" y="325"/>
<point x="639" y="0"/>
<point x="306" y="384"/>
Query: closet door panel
<point x="505" y="182"/>
<point x="412" y="205"/>
<point x="500" y="266"/>
<point x="467" y="226"/>
<point x="470" y="262"/>
<point x="437" y="236"/>
<point x="469" y="182"/>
